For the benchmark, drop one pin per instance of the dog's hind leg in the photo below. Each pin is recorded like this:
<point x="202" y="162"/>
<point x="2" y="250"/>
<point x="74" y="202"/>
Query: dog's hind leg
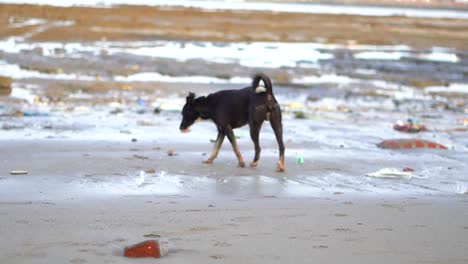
<point x="277" y="126"/>
<point x="254" y="135"/>
<point x="235" y="147"/>
<point x="217" y="146"/>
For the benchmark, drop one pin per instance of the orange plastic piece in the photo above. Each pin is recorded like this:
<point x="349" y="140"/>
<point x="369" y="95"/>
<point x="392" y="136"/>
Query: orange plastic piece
<point x="146" y="249"/>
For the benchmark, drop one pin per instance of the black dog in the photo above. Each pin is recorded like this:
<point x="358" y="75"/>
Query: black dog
<point x="231" y="109"/>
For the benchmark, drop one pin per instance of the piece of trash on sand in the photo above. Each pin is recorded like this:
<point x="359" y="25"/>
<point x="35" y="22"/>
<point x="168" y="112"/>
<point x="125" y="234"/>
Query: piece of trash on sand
<point x="170" y="152"/>
<point x="147" y="249"/>
<point x="300" y="115"/>
<point x="146" y="123"/>
<point x="390" y="173"/>
<point x="300" y="160"/>
<point x="411" y="126"/>
<point x="409" y="144"/>
<point x="18" y="172"/>
<point x="463" y="121"/>
<point x="150" y="171"/>
<point x="35" y="114"/>
<point x="5" y="86"/>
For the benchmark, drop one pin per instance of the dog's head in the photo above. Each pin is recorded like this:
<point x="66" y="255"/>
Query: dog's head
<point x="189" y="113"/>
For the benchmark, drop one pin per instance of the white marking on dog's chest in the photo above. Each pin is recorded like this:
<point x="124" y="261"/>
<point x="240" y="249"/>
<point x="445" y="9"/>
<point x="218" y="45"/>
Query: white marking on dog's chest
<point x="260" y="89"/>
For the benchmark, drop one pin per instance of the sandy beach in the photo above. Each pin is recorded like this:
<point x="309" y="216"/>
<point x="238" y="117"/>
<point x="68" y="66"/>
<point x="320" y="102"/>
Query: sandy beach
<point x="83" y="203"/>
<point x="92" y="160"/>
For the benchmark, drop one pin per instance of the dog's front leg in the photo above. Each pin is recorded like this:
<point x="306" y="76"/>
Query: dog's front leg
<point x="235" y="147"/>
<point x="217" y="146"/>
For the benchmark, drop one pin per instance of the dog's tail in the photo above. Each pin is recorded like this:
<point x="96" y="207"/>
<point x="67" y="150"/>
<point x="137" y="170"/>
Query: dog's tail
<point x="266" y="81"/>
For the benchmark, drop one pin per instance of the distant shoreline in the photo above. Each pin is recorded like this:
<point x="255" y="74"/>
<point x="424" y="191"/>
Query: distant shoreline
<point x="360" y="8"/>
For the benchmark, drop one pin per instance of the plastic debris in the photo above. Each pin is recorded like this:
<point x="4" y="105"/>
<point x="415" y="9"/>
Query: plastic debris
<point x="409" y="144"/>
<point x="411" y="126"/>
<point x="5" y="85"/>
<point x="463" y="121"/>
<point x="300" y="160"/>
<point x="390" y="173"/>
<point x="300" y="115"/>
<point x="147" y="249"/>
<point x="116" y="111"/>
<point x="18" y="172"/>
<point x="239" y="135"/>
<point x="150" y="171"/>
<point x="35" y="114"/>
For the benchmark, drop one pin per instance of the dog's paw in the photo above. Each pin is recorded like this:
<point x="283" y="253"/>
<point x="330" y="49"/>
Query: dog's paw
<point x="280" y="167"/>
<point x="208" y="161"/>
<point x="253" y="164"/>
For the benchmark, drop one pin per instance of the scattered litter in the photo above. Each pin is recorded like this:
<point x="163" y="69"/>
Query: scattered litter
<point x="35" y="114"/>
<point x="150" y="171"/>
<point x="390" y="173"/>
<point x="141" y="103"/>
<point x="300" y="160"/>
<point x="5" y="85"/>
<point x="116" y="111"/>
<point x="18" y="172"/>
<point x="300" y="115"/>
<point x="409" y="144"/>
<point x="146" y="123"/>
<point x="411" y="126"/>
<point x="147" y="249"/>
<point x="463" y="121"/>
<point x="11" y="126"/>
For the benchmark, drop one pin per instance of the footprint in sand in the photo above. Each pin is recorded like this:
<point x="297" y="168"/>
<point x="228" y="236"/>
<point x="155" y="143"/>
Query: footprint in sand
<point x="222" y="244"/>
<point x="77" y="261"/>
<point x="217" y="256"/>
<point x="341" y="229"/>
<point x="340" y="215"/>
<point x="152" y="236"/>
<point x="320" y="247"/>
<point x="384" y="229"/>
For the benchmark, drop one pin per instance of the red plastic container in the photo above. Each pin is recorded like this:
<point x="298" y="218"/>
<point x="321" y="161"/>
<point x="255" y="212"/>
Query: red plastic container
<point x="146" y="249"/>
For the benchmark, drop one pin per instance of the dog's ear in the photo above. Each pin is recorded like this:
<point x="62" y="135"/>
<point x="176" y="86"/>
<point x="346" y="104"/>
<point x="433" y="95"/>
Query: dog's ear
<point x="190" y="98"/>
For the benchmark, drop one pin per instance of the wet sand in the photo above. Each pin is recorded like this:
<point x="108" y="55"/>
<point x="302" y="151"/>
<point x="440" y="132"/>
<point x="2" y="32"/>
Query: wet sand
<point x="90" y="191"/>
<point x="152" y="23"/>
<point x="229" y="230"/>
<point x="68" y="210"/>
